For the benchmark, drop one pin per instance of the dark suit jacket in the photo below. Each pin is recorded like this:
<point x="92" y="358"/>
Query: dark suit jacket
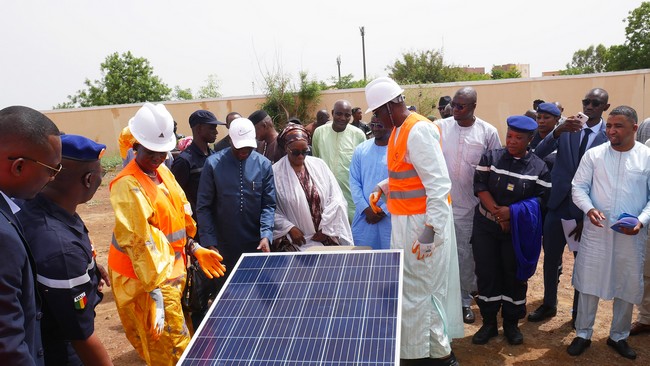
<point x="20" y="328"/>
<point x="565" y="167"/>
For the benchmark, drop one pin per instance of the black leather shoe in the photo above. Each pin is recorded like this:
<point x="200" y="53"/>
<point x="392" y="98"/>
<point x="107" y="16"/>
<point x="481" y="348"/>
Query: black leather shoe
<point x="638" y="328"/>
<point x="512" y="333"/>
<point x="578" y="346"/>
<point x="487" y="331"/>
<point x="468" y="315"/>
<point x="446" y="361"/>
<point x="622" y="348"/>
<point x="541" y="313"/>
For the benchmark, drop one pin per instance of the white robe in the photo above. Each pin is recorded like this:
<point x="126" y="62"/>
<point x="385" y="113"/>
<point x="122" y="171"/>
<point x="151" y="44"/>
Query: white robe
<point x="610" y="264"/>
<point x="292" y="208"/>
<point x="431" y="306"/>
<point x="463" y="148"/>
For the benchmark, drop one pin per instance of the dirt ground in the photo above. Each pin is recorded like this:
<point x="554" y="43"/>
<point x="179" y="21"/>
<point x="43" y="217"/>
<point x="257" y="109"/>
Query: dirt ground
<point x="544" y="343"/>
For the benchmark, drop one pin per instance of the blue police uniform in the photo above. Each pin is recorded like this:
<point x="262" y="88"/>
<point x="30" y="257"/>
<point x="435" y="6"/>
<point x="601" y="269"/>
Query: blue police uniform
<point x="509" y="180"/>
<point x="187" y="169"/>
<point x="67" y="277"/>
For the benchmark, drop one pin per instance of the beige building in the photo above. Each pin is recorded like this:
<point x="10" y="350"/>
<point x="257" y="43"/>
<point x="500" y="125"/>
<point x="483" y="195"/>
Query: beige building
<point x="524" y="69"/>
<point x="497" y="99"/>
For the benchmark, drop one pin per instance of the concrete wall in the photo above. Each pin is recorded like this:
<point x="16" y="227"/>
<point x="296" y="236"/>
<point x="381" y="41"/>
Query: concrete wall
<point x="497" y="100"/>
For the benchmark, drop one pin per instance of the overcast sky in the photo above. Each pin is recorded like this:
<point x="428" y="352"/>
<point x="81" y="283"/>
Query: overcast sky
<point x="50" y="47"/>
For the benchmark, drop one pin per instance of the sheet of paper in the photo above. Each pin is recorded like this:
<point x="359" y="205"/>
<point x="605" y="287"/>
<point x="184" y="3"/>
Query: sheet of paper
<point x="568" y="226"/>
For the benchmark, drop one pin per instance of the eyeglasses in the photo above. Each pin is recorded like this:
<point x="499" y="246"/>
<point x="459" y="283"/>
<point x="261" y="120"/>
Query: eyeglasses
<point x="375" y="125"/>
<point x="297" y="152"/>
<point x="374" y="113"/>
<point x="53" y="171"/>
<point x="458" y="106"/>
<point x="594" y="102"/>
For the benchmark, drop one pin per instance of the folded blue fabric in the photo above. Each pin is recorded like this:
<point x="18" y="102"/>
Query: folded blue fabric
<point x="625" y="220"/>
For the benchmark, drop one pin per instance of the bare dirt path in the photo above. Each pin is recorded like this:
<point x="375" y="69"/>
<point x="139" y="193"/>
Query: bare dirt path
<point x="544" y="343"/>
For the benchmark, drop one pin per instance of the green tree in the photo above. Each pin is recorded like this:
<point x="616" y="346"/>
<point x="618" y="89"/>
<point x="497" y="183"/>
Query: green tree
<point x="420" y="67"/>
<point x="499" y="73"/>
<point x="635" y="52"/>
<point x="426" y="67"/>
<point x="307" y="97"/>
<point x="283" y="100"/>
<point x="210" y="89"/>
<point x="347" y="82"/>
<point x="182" y="94"/>
<point x="589" y="61"/>
<point x="125" y="79"/>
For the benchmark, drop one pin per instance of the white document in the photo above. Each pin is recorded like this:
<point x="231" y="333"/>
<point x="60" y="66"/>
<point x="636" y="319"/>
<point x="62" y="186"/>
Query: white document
<point x="568" y="226"/>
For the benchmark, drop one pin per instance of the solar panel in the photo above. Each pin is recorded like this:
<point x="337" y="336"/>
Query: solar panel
<point x="304" y="308"/>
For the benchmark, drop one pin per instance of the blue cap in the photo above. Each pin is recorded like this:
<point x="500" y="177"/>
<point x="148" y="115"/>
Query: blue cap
<point x="76" y="147"/>
<point x="625" y="220"/>
<point x="202" y="116"/>
<point x="549" y="108"/>
<point x="521" y="123"/>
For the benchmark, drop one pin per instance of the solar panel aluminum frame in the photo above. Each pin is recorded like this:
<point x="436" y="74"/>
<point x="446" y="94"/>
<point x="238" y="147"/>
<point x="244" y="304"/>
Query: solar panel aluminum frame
<point x="398" y="311"/>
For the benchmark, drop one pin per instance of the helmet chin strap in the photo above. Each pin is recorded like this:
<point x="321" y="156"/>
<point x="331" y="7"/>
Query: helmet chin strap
<point x="390" y="114"/>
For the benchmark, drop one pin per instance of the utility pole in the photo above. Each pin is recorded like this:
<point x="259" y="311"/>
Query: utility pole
<point x="363" y="49"/>
<point x="338" y="62"/>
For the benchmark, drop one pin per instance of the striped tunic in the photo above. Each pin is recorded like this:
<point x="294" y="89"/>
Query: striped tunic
<point x="510" y="179"/>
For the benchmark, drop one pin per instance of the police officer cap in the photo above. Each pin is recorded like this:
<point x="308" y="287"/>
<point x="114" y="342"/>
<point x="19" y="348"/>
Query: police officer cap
<point x="521" y="124"/>
<point x="549" y="108"/>
<point x="204" y="117"/>
<point x="81" y="148"/>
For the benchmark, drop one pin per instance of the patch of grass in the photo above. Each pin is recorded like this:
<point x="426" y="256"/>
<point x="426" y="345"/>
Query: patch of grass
<point x="109" y="163"/>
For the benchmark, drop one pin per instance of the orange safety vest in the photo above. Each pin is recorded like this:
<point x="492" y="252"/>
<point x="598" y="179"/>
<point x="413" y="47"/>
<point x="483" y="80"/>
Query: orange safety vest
<point x="407" y="195"/>
<point x="169" y="217"/>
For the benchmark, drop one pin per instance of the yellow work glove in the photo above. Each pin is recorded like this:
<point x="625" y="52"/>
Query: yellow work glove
<point x="424" y="245"/>
<point x="209" y="260"/>
<point x="157" y="314"/>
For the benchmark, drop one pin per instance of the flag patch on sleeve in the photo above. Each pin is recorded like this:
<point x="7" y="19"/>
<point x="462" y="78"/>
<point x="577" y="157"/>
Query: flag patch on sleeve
<point x="80" y="301"/>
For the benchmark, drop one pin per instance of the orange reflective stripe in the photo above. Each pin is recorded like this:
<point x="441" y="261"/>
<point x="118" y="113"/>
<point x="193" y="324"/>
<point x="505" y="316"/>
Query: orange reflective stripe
<point x="120" y="262"/>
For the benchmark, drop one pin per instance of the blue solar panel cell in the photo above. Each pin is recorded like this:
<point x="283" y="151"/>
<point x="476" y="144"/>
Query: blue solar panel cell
<point x="314" y="308"/>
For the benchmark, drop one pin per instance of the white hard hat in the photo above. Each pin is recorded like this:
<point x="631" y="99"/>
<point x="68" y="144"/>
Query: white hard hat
<point x="381" y="91"/>
<point x="153" y="127"/>
<point x="242" y="133"/>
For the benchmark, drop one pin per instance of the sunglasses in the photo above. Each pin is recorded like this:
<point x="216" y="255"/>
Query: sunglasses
<point x="53" y="171"/>
<point x="594" y="102"/>
<point x="297" y="152"/>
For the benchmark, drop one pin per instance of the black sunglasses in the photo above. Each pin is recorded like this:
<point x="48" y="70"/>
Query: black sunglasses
<point x="594" y="102"/>
<point x="297" y="152"/>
